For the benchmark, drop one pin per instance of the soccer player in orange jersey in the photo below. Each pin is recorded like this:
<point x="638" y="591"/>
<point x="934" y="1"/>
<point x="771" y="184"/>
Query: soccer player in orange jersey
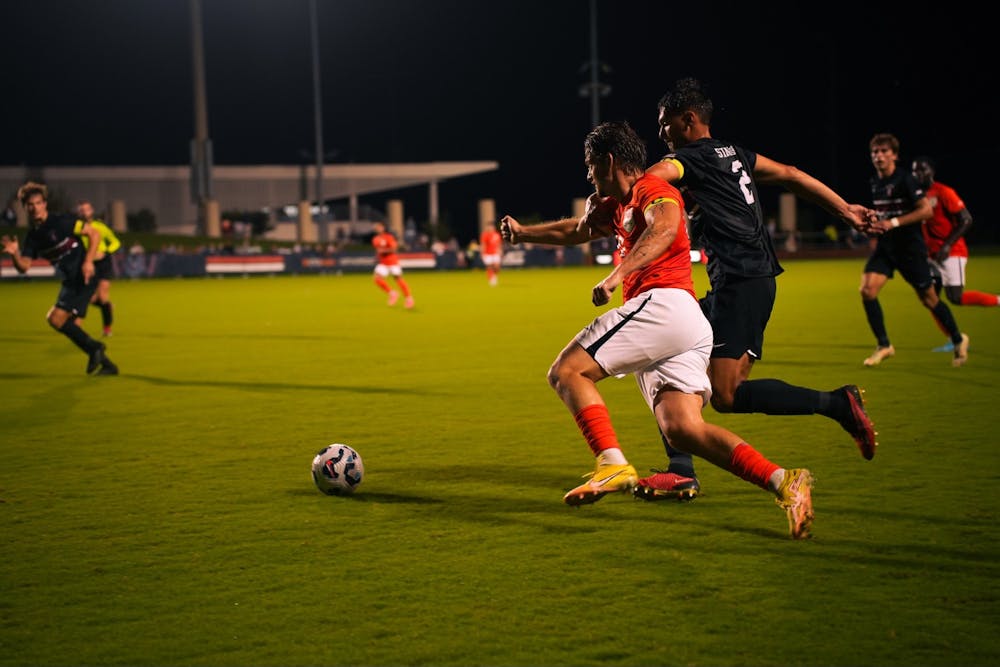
<point x="491" y="251"/>
<point x="659" y="334"/>
<point x="387" y="264"/>
<point x="944" y="234"/>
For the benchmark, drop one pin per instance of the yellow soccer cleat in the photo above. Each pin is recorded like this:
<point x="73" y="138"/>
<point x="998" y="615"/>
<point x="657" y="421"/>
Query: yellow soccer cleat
<point x="795" y="497"/>
<point x="605" y="479"/>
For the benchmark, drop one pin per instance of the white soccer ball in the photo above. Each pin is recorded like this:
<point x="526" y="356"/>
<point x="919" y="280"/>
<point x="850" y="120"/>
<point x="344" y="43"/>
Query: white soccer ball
<point x="338" y="470"/>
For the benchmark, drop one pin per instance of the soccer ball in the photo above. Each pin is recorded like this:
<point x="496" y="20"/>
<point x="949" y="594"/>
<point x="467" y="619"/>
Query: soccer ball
<point x="337" y="470"/>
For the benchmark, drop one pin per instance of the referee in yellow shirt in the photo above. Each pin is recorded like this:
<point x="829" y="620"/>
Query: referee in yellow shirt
<point x="104" y="269"/>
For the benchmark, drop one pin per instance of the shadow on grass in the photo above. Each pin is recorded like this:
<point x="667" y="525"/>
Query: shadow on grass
<point x="271" y="386"/>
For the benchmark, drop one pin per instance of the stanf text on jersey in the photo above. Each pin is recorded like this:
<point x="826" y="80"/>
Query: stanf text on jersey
<point x="725" y="151"/>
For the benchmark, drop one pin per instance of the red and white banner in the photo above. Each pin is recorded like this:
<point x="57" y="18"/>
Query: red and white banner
<point x="40" y="268"/>
<point x="245" y="264"/>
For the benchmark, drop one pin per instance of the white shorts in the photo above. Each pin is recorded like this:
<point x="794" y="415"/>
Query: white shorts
<point x="387" y="269"/>
<point x="491" y="260"/>
<point x="661" y="336"/>
<point x="952" y="271"/>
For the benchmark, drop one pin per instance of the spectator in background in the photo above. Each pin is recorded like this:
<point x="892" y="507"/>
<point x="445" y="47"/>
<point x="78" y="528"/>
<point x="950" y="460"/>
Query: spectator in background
<point x="902" y="206"/>
<point x="387" y="264"/>
<point x="944" y="234"/>
<point x="104" y="269"/>
<point x="52" y="237"/>
<point x="491" y="251"/>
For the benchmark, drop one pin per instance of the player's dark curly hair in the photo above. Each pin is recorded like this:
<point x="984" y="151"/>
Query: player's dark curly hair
<point x="619" y="139"/>
<point x="688" y="94"/>
<point x="30" y="189"/>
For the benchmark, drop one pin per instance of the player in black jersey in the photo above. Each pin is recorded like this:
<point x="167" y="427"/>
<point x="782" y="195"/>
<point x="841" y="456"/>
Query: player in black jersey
<point x="902" y="207"/>
<point x="51" y="237"/>
<point x="719" y="181"/>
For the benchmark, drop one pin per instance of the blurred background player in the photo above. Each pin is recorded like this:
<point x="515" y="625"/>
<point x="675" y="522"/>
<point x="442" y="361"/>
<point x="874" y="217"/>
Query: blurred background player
<point x="104" y="269"/>
<point x="491" y="251"/>
<point x="902" y="206"/>
<point x="944" y="234"/>
<point x="659" y="333"/>
<point x="52" y="238"/>
<point x="719" y="181"/>
<point x="387" y="264"/>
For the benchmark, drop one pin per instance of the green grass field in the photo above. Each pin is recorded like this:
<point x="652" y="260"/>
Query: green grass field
<point x="167" y="516"/>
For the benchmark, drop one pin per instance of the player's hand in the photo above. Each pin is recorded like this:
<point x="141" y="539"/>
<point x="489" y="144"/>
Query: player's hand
<point x="10" y="245"/>
<point x="510" y="230"/>
<point x="942" y="254"/>
<point x="861" y="218"/>
<point x="87" y="270"/>
<point x="601" y="294"/>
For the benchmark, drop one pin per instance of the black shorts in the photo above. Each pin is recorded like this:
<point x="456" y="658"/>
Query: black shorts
<point x="907" y="257"/>
<point x="738" y="312"/>
<point x="104" y="268"/>
<point x="74" y="295"/>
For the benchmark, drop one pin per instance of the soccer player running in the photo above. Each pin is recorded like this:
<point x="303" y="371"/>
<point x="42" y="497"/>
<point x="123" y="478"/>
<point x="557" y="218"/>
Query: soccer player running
<point x="104" y="269"/>
<point x="491" y="252"/>
<point x="902" y="206"/>
<point x="387" y="264"/>
<point x="720" y="182"/>
<point x="52" y="237"/>
<point x="659" y="333"/>
<point x="944" y="234"/>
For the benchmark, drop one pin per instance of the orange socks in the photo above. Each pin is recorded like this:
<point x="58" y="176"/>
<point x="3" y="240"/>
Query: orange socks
<point x="595" y="424"/>
<point x="972" y="298"/>
<point x="749" y="464"/>
<point x="403" y="286"/>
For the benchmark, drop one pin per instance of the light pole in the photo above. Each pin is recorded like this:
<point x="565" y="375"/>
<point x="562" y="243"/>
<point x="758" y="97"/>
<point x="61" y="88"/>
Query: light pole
<point x="318" y="113"/>
<point x="201" y="145"/>
<point x="594" y="88"/>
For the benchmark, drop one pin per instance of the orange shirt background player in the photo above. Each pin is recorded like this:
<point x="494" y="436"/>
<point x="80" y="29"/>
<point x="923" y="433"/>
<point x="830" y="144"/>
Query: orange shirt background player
<point x="387" y="264"/>
<point x="946" y="204"/>
<point x="490" y="242"/>
<point x="385" y="248"/>
<point x="491" y="250"/>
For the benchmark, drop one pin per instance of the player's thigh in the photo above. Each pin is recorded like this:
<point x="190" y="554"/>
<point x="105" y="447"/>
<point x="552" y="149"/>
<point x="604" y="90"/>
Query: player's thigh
<point x="650" y="327"/>
<point x="739" y="315"/>
<point x="953" y="271"/>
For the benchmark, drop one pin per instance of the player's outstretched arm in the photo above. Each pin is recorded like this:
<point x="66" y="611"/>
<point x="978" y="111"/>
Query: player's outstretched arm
<point x="801" y="184"/>
<point x="558" y="232"/>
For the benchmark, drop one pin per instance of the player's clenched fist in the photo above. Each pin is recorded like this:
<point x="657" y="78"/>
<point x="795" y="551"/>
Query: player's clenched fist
<point x="510" y="229"/>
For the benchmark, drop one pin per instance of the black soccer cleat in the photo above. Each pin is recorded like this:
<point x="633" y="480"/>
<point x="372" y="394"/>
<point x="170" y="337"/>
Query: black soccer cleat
<point x="96" y="359"/>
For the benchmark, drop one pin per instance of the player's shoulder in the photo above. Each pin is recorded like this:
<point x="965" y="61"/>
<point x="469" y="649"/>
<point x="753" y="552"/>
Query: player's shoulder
<point x="649" y="189"/>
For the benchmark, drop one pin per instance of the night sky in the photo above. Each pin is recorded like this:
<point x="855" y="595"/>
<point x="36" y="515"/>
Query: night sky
<point x="109" y="82"/>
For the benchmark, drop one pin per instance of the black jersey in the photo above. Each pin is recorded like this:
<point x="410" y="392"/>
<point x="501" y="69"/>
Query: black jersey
<point x="55" y="241"/>
<point x="724" y="210"/>
<point x="892" y="197"/>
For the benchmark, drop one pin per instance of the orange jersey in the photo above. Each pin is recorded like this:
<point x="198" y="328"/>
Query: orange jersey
<point x="385" y="249"/>
<point x="490" y="242"/>
<point x="673" y="267"/>
<point x="946" y="204"/>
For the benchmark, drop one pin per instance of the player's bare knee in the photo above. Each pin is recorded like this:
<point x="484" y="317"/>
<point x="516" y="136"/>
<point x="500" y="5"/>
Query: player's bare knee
<point x="554" y="375"/>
